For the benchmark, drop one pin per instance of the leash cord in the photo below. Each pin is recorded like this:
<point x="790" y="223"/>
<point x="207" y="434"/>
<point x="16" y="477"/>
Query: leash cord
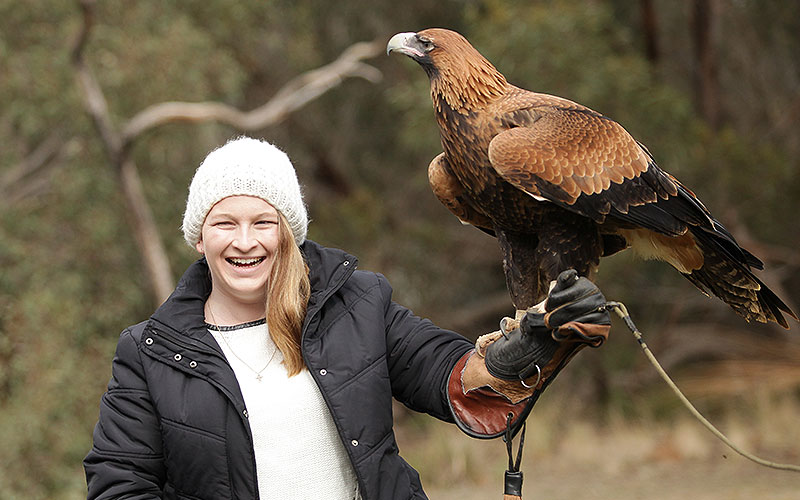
<point x="622" y="312"/>
<point x="512" y="465"/>
<point x="512" y="487"/>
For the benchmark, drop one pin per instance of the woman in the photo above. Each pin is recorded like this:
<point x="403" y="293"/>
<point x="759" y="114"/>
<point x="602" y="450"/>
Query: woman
<point x="269" y="372"/>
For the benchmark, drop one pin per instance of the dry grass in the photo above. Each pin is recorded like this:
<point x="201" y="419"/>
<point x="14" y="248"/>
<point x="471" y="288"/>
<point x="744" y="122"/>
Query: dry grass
<point x="568" y="455"/>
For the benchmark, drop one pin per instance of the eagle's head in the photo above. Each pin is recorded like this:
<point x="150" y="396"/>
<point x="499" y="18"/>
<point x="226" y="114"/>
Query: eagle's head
<point x="452" y="64"/>
<point x="427" y="47"/>
<point x="434" y="48"/>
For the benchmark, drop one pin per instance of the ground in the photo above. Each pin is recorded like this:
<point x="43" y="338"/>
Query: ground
<point x="722" y="479"/>
<point x="570" y="456"/>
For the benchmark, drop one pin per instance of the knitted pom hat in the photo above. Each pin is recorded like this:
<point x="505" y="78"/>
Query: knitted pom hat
<point x="245" y="166"/>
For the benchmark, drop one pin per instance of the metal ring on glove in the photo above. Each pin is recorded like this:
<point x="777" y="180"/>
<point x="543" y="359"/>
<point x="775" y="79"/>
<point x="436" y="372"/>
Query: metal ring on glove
<point x="538" y="378"/>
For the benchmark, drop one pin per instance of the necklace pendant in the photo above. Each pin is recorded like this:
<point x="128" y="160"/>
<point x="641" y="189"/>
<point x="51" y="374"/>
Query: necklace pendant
<point x="258" y="377"/>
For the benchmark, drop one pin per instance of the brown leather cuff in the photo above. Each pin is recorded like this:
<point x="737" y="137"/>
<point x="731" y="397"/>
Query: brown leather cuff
<point x="479" y="409"/>
<point x="587" y="333"/>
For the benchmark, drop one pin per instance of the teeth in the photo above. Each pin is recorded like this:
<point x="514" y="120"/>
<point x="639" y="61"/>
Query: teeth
<point x="245" y="262"/>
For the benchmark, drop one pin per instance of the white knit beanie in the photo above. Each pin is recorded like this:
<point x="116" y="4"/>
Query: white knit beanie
<point x="245" y="166"/>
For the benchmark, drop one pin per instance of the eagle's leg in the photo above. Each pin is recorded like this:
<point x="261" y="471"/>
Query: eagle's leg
<point x="521" y="268"/>
<point x="531" y="261"/>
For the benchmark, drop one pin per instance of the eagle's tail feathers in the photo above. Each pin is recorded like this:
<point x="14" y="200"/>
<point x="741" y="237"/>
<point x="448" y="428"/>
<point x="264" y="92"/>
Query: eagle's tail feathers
<point x="734" y="283"/>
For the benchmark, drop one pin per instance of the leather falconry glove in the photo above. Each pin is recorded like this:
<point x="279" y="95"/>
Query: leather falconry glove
<point x="492" y="389"/>
<point x="526" y="356"/>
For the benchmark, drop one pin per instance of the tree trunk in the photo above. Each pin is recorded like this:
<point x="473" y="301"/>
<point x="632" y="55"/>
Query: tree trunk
<point x="151" y="248"/>
<point x="649" y="21"/>
<point x="706" y="80"/>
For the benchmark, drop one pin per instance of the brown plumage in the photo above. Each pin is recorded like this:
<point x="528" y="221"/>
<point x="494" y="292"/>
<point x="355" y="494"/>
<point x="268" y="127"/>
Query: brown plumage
<point x="561" y="185"/>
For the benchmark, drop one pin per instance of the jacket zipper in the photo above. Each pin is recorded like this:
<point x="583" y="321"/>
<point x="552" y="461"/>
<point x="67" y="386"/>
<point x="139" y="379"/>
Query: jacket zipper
<point x="315" y="374"/>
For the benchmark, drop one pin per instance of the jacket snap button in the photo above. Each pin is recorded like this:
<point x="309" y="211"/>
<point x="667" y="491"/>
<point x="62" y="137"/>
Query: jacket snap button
<point x="193" y="364"/>
<point x="244" y="412"/>
<point x="346" y="263"/>
<point x="178" y="357"/>
<point x="323" y="372"/>
<point x="148" y="341"/>
<point x="354" y="442"/>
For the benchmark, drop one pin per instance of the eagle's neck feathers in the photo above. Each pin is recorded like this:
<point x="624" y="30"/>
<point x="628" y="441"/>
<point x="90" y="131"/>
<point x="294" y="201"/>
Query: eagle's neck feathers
<point x="466" y="85"/>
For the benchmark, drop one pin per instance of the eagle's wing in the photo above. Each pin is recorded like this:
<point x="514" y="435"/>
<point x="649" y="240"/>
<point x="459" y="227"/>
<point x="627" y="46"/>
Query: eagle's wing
<point x="589" y="164"/>
<point x="451" y="194"/>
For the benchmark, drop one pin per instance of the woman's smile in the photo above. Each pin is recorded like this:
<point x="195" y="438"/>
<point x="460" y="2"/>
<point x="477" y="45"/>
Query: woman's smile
<point x="245" y="262"/>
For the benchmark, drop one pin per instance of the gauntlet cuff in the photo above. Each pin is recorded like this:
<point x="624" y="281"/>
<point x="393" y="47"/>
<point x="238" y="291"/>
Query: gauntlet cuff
<point x="479" y="409"/>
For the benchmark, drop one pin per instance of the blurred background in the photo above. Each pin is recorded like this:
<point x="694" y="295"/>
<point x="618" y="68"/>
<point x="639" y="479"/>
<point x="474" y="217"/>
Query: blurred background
<point x="92" y="193"/>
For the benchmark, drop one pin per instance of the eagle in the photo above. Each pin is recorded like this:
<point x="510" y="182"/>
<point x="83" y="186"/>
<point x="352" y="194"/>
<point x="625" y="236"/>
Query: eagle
<point x="561" y="185"/>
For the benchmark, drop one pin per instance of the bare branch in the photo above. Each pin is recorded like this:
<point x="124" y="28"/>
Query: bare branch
<point x="87" y="12"/>
<point x="98" y="109"/>
<point x="31" y="188"/>
<point x="96" y="103"/>
<point x="31" y="175"/>
<point x="295" y="94"/>
<point x="49" y="148"/>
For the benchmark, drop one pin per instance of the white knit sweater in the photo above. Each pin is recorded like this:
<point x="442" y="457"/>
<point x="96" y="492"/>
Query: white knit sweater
<point x="299" y="454"/>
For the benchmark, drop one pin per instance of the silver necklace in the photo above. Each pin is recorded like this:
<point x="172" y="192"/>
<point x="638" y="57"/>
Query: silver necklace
<point x="222" y="335"/>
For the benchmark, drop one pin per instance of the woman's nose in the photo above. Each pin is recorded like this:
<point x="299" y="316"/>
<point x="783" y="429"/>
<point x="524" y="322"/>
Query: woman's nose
<point x="243" y="239"/>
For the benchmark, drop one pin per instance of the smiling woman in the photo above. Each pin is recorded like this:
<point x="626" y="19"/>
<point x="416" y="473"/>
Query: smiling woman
<point x="269" y="372"/>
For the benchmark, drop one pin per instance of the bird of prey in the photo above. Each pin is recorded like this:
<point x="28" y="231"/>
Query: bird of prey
<point x="561" y="185"/>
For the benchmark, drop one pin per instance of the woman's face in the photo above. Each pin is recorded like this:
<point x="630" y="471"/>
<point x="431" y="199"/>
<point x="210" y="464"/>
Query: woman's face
<point x="239" y="239"/>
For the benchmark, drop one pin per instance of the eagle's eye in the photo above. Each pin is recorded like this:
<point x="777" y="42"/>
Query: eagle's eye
<point x="426" y="43"/>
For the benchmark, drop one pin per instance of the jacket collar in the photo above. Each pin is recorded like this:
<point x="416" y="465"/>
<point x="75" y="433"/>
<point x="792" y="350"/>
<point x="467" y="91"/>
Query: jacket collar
<point x="327" y="268"/>
<point x="183" y="310"/>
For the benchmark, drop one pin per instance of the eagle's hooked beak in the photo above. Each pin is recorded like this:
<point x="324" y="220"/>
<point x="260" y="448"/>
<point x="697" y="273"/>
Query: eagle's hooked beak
<point x="405" y="43"/>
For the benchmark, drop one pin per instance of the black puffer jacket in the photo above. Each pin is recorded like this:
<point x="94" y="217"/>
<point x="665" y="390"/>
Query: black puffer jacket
<point x="173" y="423"/>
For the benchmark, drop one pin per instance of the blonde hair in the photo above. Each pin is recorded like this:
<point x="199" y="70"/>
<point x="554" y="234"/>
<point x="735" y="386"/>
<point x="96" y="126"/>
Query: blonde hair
<point x="288" y="292"/>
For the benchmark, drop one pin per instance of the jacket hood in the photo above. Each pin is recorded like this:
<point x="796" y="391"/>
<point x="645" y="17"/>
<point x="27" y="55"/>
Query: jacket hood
<point x="183" y="310"/>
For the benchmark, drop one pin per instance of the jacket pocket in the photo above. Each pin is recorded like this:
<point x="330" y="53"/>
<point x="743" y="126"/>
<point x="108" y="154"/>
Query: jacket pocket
<point x="196" y="461"/>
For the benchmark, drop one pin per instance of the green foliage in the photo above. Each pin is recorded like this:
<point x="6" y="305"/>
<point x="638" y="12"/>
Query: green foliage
<point x="72" y="278"/>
